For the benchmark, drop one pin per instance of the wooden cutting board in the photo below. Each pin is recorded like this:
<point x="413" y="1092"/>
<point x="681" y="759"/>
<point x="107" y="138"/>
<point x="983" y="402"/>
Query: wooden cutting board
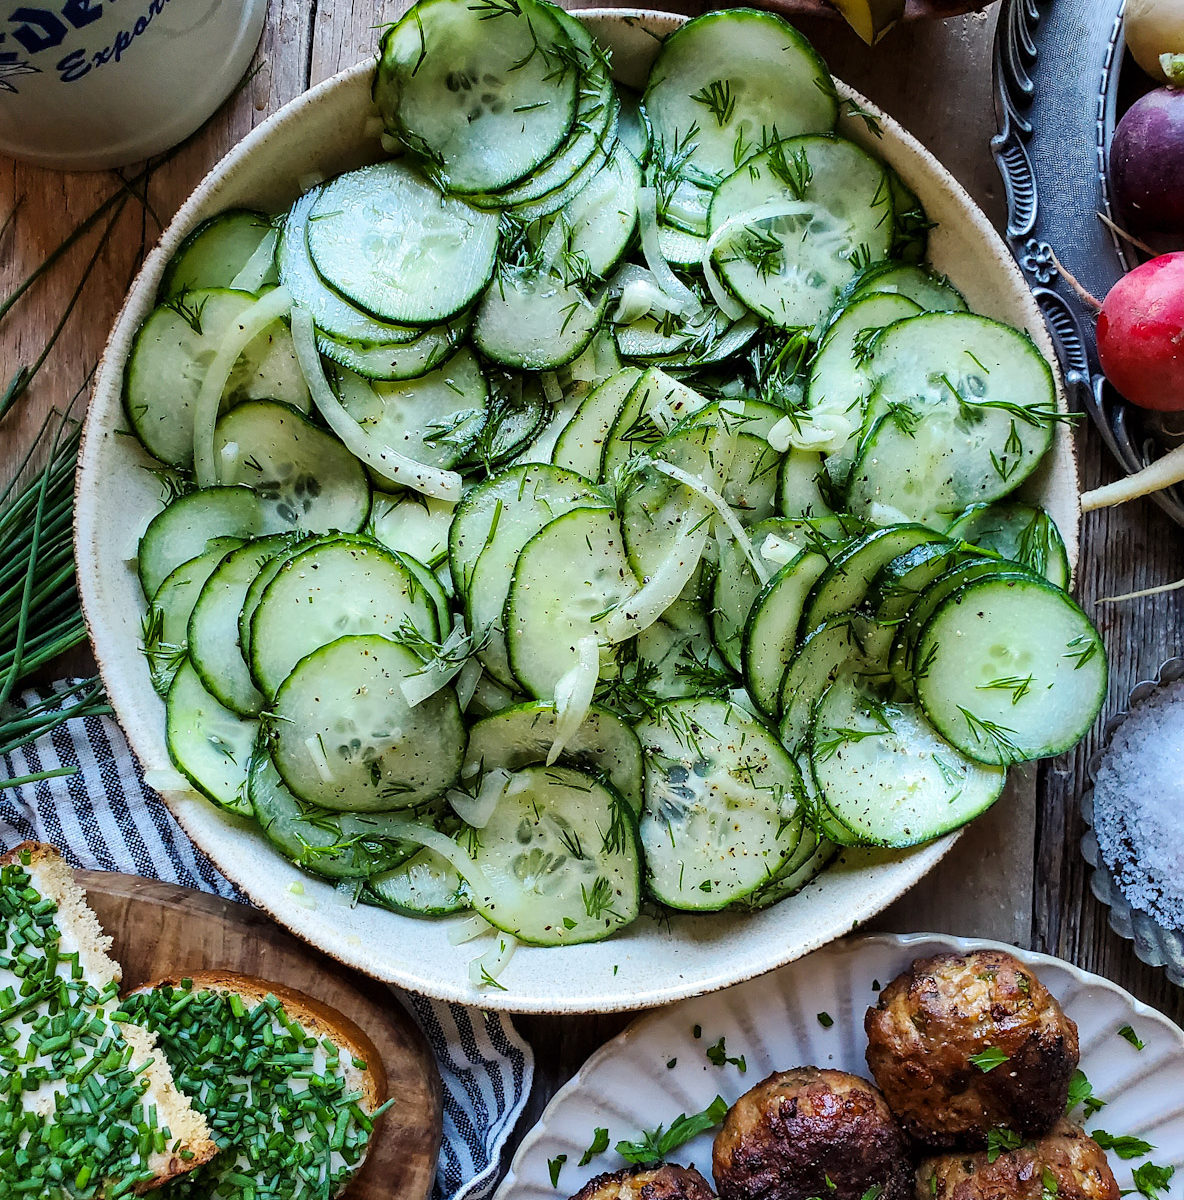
<point x="160" y="929"/>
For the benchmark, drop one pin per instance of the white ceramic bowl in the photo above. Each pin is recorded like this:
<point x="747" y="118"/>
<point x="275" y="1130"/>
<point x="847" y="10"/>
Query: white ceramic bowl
<point x="327" y="130"/>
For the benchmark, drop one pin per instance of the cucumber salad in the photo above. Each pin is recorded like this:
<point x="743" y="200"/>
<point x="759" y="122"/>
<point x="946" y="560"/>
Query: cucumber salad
<point x="597" y="503"/>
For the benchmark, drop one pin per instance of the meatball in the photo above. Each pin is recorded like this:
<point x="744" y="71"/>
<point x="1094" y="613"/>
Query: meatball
<point x="811" y="1132"/>
<point x="962" y="1044"/>
<point x="1067" y="1163"/>
<point x="667" y="1182"/>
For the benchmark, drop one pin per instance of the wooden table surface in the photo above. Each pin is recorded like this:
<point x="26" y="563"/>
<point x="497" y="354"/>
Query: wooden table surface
<point x="1018" y="874"/>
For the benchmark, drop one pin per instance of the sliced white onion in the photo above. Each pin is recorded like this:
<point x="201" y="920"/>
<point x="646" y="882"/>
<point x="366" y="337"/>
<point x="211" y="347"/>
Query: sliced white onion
<point x="818" y="430"/>
<point x="165" y="779"/>
<point x="255" y="317"/>
<point x="444" y="846"/>
<point x="551" y="388"/>
<point x="473" y="926"/>
<point x="477" y="810"/>
<point x="316" y="751"/>
<point x="440" y="671"/>
<point x="770" y="210"/>
<point x="722" y="507"/>
<point x="492" y="963"/>
<point x="573" y="694"/>
<point x="647" y="221"/>
<point x="255" y="269"/>
<point x="466" y="683"/>
<point x="779" y="550"/>
<point x="431" y="481"/>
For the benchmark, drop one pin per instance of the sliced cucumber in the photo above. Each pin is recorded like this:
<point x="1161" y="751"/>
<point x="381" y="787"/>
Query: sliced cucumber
<point x="821" y="655"/>
<point x="397" y="360"/>
<point x="604" y="745"/>
<point x="525" y="500"/>
<point x="305" y="479"/>
<point x="788" y="227"/>
<point x="634" y="126"/>
<point x="338" y="586"/>
<point x="580" y="447"/>
<point x="722" y="804"/>
<point x="331" y="844"/>
<point x="209" y="745"/>
<point x="181" y="531"/>
<point x="213" y="637"/>
<point x="434" y="419"/>
<point x="934" y="293"/>
<point x="414" y="524"/>
<point x="559" y="859"/>
<point x="483" y="94"/>
<point x="426" y="885"/>
<point x="169" y="359"/>
<point x="1010" y="669"/>
<point x="427" y="255"/>
<point x="801" y="479"/>
<point x="215" y="252"/>
<point x="751" y="490"/>
<point x="344" y="736"/>
<point x="568" y="576"/>
<point x="897" y="588"/>
<point x="885" y="773"/>
<point x="770" y="634"/>
<point x="1019" y="532"/>
<point x="813" y="855"/>
<point x="722" y="82"/>
<point x="655" y="403"/>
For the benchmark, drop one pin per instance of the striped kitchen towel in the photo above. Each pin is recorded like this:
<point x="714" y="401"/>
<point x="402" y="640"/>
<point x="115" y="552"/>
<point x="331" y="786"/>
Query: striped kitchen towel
<point x="103" y="817"/>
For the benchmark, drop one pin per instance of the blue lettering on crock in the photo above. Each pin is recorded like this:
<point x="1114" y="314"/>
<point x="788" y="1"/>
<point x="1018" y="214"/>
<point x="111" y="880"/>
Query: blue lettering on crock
<point x="82" y="12"/>
<point x="78" y="63"/>
<point x="37" y="29"/>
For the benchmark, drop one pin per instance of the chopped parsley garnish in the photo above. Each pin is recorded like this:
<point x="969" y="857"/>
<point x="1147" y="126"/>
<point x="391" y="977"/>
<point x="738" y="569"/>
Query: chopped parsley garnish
<point x="718" y="1055"/>
<point x="1124" y="1146"/>
<point x="987" y="1060"/>
<point x="671" y="1063"/>
<point x="1048" y="1185"/>
<point x="1081" y="1091"/>
<point x="696" y="1031"/>
<point x="1000" y="1141"/>
<point x="825" y="1020"/>
<point x="599" y="1146"/>
<point x="554" y="1166"/>
<point x="1151" y="1180"/>
<point x="1131" y="1036"/>
<point x="655" y="1144"/>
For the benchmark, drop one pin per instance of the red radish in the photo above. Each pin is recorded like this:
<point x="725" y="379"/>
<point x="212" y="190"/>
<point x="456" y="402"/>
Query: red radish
<point x="1141" y="334"/>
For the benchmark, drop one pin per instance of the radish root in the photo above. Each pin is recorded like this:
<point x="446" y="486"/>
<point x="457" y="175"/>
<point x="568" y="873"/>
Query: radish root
<point x="1162" y="473"/>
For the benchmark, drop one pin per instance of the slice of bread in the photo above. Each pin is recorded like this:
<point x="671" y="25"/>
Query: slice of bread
<point x="34" y="873"/>
<point x="221" y="1088"/>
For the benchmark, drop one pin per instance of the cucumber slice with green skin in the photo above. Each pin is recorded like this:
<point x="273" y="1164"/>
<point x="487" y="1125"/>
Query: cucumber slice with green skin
<point x="333" y="315"/>
<point x="427" y="255"/>
<point x="580" y="447"/>
<point x="331" y="844"/>
<point x="559" y="859"/>
<point x="424" y="886"/>
<point x="818" y="661"/>
<point x="902" y="658"/>
<point x="897" y="588"/>
<point x="634" y="127"/>
<point x="679" y="248"/>
<point x="209" y="745"/>
<point x="678" y="660"/>
<point x="604" y="745"/>
<point x="845" y="583"/>
<point x="886" y="774"/>
<point x="722" y="81"/>
<point x="258" y="585"/>
<point x="723" y="804"/>
<point x="518" y="412"/>
<point x="305" y="479"/>
<point x="166" y="624"/>
<point x="414" y="524"/>
<point x="687" y="204"/>
<point x="553" y="201"/>
<point x="344" y="736"/>
<point x="934" y="293"/>
<point x="654" y="405"/>
<point x="751" y="490"/>
<point x="568" y="575"/>
<point x="736" y="586"/>
<point x="770" y="634"/>
<point x="911" y="224"/>
<point x="978" y="401"/>
<point x="812" y="857"/>
<point x="485" y="95"/>
<point x="182" y="530"/>
<point x="1019" y="532"/>
<point x="525" y="500"/>
<point x="434" y="419"/>
<point x="339" y="586"/>
<point x="1010" y="670"/>
<point x="801" y="478"/>
<point x="788" y="226"/>
<point x="397" y="360"/>
<point x="212" y="636"/>
<point x="534" y="320"/>
<point x="169" y="359"/>
<point x="435" y="586"/>
<point x="215" y="252"/>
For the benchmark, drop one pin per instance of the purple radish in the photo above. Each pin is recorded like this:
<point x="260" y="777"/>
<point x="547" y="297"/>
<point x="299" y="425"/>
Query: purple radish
<point x="1147" y="161"/>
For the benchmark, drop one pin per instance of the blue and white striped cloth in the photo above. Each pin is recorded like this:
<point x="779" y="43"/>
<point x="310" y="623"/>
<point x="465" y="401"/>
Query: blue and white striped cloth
<point x="104" y="818"/>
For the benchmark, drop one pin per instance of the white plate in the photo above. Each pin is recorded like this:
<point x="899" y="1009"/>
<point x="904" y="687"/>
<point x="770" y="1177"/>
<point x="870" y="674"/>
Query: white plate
<point x="626" y="1086"/>
<point x="328" y="129"/>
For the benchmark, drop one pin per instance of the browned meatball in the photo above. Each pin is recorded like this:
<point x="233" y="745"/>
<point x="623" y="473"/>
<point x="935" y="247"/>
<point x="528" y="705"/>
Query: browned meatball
<point x="810" y="1132"/>
<point x="667" y="1182"/>
<point x="946" y="1011"/>
<point x="1066" y="1163"/>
